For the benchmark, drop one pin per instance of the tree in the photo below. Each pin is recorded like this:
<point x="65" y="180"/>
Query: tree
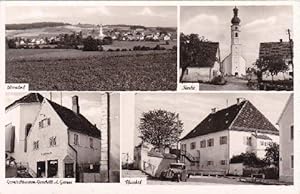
<point x="248" y="158"/>
<point x="160" y="128"/>
<point x="273" y="65"/>
<point x="193" y="50"/>
<point x="90" y="44"/>
<point x="272" y="154"/>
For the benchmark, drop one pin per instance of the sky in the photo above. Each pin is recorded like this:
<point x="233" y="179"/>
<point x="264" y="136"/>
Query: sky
<point x="258" y="24"/>
<point x="194" y="107"/>
<point x="151" y="16"/>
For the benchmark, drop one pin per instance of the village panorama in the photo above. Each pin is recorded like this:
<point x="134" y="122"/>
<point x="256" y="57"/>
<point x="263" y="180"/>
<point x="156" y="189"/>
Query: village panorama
<point x="79" y="55"/>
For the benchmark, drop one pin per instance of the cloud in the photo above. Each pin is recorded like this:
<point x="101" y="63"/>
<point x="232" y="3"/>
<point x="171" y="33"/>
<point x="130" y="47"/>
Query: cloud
<point x="102" y="10"/>
<point x="256" y="24"/>
<point x="148" y="12"/>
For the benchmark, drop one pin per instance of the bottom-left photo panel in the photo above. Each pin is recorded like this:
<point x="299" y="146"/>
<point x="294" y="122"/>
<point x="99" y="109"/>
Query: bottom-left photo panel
<point x="73" y="135"/>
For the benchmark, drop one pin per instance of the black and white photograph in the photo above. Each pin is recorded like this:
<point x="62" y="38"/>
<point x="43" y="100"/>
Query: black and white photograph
<point x="208" y="138"/>
<point x="63" y="135"/>
<point x="92" y="48"/>
<point x="231" y="48"/>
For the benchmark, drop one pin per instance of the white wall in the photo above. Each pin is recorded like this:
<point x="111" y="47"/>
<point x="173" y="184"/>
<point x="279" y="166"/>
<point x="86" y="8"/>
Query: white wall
<point x="19" y="116"/>
<point x="286" y="144"/>
<point x="85" y="154"/>
<point x="58" y="129"/>
<point x="216" y="153"/>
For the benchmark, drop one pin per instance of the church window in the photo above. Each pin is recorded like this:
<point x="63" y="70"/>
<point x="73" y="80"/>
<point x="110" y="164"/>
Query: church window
<point x="236" y="34"/>
<point x="236" y="28"/>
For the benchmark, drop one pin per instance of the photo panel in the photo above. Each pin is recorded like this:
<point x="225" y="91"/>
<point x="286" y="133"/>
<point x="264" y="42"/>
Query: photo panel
<point x="208" y="138"/>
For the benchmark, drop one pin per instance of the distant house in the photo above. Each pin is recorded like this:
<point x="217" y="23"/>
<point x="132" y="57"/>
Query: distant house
<point x="207" y="67"/>
<point x="279" y="49"/>
<point x="286" y="150"/>
<point x="237" y="129"/>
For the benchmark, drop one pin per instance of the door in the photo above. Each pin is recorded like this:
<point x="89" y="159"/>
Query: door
<point x="41" y="169"/>
<point x="52" y="168"/>
<point x="69" y="170"/>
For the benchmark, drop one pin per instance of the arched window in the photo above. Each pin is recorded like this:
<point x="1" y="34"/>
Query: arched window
<point x="236" y="28"/>
<point x="236" y="34"/>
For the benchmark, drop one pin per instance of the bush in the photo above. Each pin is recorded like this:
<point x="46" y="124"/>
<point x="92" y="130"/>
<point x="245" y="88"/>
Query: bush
<point x="90" y="44"/>
<point x="110" y="50"/>
<point x="219" y="80"/>
<point x="124" y="49"/>
<point x="117" y="49"/>
<point x="249" y="159"/>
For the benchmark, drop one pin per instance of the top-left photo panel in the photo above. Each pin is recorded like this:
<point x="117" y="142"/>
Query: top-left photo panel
<point x="96" y="48"/>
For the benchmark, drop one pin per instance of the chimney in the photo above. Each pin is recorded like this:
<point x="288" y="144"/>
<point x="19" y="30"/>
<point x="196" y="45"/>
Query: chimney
<point x="75" y="105"/>
<point x="213" y="110"/>
<point x="280" y="40"/>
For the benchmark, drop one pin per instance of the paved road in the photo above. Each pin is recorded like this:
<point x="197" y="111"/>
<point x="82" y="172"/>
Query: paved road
<point x="232" y="84"/>
<point x="199" y="180"/>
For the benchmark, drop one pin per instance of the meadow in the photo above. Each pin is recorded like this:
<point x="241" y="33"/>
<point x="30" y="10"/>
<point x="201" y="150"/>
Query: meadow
<point x="67" y="69"/>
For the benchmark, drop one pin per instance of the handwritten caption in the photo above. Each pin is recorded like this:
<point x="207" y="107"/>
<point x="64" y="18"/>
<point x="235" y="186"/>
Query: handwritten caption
<point x="189" y="86"/>
<point x="17" y="87"/>
<point x="40" y="181"/>
<point x="134" y="181"/>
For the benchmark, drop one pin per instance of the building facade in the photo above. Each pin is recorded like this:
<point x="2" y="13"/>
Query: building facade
<point x="60" y="143"/>
<point x="223" y="134"/>
<point x="234" y="63"/>
<point x="286" y="149"/>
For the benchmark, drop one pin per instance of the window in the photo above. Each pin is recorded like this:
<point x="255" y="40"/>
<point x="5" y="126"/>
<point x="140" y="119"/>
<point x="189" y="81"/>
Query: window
<point x="193" y="145"/>
<point x="91" y="143"/>
<point x="247" y="141"/>
<point x="262" y="143"/>
<point x="292" y="161"/>
<point x="210" y="142"/>
<point x="210" y="163"/>
<point x="202" y="144"/>
<point x="183" y="147"/>
<point x="223" y="162"/>
<point x="236" y="28"/>
<point x="76" y="139"/>
<point x="44" y="123"/>
<point x="52" y="141"/>
<point x="36" y="145"/>
<point x="236" y="34"/>
<point x="223" y="140"/>
<point x="292" y="132"/>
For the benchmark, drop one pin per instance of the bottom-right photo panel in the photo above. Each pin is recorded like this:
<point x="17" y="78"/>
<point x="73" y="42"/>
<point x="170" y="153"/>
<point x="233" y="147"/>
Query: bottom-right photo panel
<point x="207" y="138"/>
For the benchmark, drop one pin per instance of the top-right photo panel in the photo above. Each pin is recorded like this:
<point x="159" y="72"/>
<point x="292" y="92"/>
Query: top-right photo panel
<point x="236" y="48"/>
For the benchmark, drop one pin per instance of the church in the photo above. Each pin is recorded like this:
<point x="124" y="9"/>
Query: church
<point x="234" y="64"/>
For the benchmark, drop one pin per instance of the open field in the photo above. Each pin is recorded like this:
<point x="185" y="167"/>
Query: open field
<point x="131" y="44"/>
<point x="61" y="69"/>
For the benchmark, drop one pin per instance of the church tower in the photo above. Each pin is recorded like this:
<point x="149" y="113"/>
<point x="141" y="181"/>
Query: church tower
<point x="234" y="64"/>
<point x="101" y="35"/>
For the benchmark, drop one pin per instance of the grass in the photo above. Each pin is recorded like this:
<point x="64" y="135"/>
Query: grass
<point x="59" y="69"/>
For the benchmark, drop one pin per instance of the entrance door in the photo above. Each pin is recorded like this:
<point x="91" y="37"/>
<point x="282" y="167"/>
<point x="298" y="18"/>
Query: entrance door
<point x="69" y="170"/>
<point x="52" y="168"/>
<point x="41" y="169"/>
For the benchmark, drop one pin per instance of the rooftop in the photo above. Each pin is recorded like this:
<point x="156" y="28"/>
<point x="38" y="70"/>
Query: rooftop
<point x="29" y="98"/>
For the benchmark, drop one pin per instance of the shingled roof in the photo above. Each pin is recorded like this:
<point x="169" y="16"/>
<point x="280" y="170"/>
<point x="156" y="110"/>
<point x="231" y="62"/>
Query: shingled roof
<point x="29" y="98"/>
<point x="75" y="122"/>
<point x="240" y="117"/>
<point x="275" y="49"/>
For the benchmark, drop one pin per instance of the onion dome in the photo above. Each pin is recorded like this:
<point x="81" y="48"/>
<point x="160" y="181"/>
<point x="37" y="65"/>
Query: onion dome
<point x="235" y="20"/>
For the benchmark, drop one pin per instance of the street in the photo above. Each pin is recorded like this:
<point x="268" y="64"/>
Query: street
<point x="233" y="83"/>
<point x="199" y="180"/>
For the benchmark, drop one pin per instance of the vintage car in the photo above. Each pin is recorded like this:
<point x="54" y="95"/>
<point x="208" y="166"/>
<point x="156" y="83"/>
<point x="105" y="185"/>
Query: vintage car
<point x="176" y="171"/>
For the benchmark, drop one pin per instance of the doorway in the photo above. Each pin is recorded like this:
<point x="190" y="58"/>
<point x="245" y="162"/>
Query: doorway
<point x="52" y="168"/>
<point x="69" y="170"/>
<point x="41" y="169"/>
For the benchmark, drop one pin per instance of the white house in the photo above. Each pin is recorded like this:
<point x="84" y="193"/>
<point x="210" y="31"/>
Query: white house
<point x="286" y="147"/>
<point x="52" y="140"/>
<point x="207" y="66"/>
<point x="223" y="134"/>
<point x="234" y="63"/>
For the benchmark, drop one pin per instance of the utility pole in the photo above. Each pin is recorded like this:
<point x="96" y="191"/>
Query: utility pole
<point x="291" y="48"/>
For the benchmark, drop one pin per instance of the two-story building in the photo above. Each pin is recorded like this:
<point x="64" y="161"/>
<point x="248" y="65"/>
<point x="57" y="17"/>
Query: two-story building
<point x="222" y="134"/>
<point x="55" y="141"/>
<point x="286" y="146"/>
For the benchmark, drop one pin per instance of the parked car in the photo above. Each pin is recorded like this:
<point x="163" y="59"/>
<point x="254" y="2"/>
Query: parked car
<point x="175" y="172"/>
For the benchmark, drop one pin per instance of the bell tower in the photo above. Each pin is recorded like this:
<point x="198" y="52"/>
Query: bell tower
<point x="236" y="51"/>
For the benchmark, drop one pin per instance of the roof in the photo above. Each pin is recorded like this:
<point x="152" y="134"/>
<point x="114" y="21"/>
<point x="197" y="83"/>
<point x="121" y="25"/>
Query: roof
<point x="154" y="153"/>
<point x="240" y="117"/>
<point x="207" y="56"/>
<point x="75" y="122"/>
<point x="29" y="98"/>
<point x="275" y="49"/>
<point x="262" y="136"/>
